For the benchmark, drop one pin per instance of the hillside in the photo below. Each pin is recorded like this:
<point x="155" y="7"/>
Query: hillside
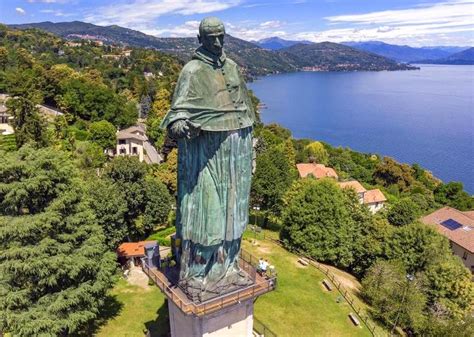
<point x="400" y="53"/>
<point x="276" y="43"/>
<point x="465" y="57"/>
<point x="328" y="56"/>
<point x="254" y="59"/>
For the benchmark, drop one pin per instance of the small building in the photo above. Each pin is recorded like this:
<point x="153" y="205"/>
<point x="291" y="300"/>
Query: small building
<point x="130" y="254"/>
<point x="458" y="227"/>
<point x="5" y="117"/>
<point x="133" y="141"/>
<point x="318" y="171"/>
<point x="373" y="199"/>
<point x="130" y="142"/>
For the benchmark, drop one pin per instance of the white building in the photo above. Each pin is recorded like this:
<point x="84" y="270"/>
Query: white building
<point x="5" y="118"/>
<point x="134" y="142"/>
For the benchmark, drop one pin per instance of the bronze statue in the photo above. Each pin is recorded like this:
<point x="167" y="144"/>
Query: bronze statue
<point x="211" y="116"/>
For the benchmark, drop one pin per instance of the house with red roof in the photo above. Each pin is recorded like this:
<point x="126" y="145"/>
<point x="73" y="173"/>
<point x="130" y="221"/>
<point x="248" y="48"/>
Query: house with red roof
<point x="458" y="227"/>
<point x="130" y="254"/>
<point x="318" y="171"/>
<point x="373" y="199"/>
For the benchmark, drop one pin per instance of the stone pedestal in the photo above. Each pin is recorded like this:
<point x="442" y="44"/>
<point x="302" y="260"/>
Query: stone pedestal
<point x="232" y="321"/>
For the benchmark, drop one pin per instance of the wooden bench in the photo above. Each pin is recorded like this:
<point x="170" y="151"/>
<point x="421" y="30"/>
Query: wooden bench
<point x="303" y="261"/>
<point x="354" y="319"/>
<point x="327" y="284"/>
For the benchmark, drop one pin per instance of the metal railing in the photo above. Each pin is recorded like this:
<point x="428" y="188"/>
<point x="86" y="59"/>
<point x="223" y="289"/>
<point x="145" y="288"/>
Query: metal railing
<point x="371" y="326"/>
<point x="261" y="329"/>
<point x="202" y="308"/>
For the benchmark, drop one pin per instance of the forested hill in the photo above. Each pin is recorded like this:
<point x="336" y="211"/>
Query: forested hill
<point x="465" y="57"/>
<point x="328" y="56"/>
<point x="254" y="59"/>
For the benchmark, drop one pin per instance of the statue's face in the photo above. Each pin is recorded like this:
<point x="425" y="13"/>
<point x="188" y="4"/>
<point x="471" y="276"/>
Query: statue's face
<point x="213" y="42"/>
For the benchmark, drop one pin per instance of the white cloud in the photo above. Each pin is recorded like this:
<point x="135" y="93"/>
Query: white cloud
<point x="55" y="12"/>
<point x="142" y="13"/>
<point x="446" y="22"/>
<point x="20" y="11"/>
<point x="49" y="1"/>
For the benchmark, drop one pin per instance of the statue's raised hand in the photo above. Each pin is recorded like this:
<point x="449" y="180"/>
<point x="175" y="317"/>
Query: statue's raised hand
<point x="183" y="128"/>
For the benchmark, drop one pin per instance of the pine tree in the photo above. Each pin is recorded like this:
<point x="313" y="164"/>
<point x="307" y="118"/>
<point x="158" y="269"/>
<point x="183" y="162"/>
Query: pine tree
<point x="54" y="265"/>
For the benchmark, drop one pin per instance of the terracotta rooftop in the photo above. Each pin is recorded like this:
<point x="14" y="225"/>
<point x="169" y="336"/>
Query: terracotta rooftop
<point x="354" y="184"/>
<point x="317" y="170"/>
<point x="457" y="226"/>
<point x="372" y="196"/>
<point x="133" y="249"/>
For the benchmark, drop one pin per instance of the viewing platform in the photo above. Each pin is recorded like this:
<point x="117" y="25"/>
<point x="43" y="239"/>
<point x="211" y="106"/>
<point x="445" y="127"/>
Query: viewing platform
<point x="261" y="285"/>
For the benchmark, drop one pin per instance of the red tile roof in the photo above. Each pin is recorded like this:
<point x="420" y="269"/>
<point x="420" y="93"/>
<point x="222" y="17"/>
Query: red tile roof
<point x="373" y="196"/>
<point x="132" y="249"/>
<point x="463" y="235"/>
<point x="317" y="170"/>
<point x="354" y="184"/>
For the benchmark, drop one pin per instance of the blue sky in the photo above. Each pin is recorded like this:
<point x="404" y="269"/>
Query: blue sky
<point x="412" y="22"/>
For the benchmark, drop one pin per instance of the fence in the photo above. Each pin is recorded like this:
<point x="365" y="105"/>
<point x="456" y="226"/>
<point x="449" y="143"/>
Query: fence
<point x="376" y="331"/>
<point x="258" y="288"/>
<point x="261" y="329"/>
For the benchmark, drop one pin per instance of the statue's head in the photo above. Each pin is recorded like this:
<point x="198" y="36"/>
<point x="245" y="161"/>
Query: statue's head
<point x="211" y="35"/>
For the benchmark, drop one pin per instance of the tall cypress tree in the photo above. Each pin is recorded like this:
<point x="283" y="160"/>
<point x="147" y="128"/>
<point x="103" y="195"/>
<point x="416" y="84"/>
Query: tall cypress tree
<point x="54" y="265"/>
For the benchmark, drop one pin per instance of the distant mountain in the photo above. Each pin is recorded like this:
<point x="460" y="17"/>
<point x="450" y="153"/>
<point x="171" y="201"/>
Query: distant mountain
<point x="402" y="53"/>
<point x="328" y="56"/>
<point x="276" y="43"/>
<point x="465" y="57"/>
<point x="254" y="59"/>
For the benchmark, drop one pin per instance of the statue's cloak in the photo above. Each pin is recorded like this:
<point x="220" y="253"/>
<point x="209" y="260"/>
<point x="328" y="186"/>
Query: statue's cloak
<point x="211" y="93"/>
<point x="214" y="172"/>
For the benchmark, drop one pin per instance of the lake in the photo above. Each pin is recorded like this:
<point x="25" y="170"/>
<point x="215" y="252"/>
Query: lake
<point x="423" y="116"/>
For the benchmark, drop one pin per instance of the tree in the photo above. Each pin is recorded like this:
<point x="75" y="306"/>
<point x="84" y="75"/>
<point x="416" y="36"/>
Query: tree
<point x="396" y="298"/>
<point x="273" y="176"/>
<point x="403" y="212"/>
<point x="107" y="200"/>
<point x="27" y="122"/>
<point x="148" y="201"/>
<point x="316" y="153"/>
<point x="417" y="246"/>
<point x="158" y="204"/>
<point x="167" y="172"/>
<point x="449" y="285"/>
<point x="145" y="106"/>
<point x="103" y="134"/>
<point x="89" y="155"/>
<point x="389" y="172"/>
<point x="453" y="194"/>
<point x="321" y="220"/>
<point x="55" y="269"/>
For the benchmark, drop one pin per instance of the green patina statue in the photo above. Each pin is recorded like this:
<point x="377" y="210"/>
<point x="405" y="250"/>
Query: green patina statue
<point x="211" y="116"/>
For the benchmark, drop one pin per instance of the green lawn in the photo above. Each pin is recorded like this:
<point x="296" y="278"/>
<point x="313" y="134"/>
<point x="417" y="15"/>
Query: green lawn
<point x="300" y="306"/>
<point x="136" y="309"/>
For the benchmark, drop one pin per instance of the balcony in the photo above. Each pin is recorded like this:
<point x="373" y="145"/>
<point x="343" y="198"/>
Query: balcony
<point x="261" y="285"/>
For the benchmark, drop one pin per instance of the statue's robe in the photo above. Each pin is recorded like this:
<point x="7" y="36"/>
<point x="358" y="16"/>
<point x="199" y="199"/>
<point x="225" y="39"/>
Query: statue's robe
<point x="214" y="172"/>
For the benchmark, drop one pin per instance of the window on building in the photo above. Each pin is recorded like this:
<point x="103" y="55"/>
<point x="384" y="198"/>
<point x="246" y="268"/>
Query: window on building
<point x="134" y="150"/>
<point x="123" y="151"/>
<point x="122" y="141"/>
<point x="464" y="256"/>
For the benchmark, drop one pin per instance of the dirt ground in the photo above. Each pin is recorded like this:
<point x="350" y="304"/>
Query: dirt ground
<point x="137" y="277"/>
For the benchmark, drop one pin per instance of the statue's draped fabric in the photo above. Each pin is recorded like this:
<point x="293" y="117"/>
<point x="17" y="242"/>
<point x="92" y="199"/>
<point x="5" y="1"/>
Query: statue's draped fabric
<point x="214" y="171"/>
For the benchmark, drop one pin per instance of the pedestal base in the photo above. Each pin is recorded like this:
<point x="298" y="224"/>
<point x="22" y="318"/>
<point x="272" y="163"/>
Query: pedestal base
<point x="232" y="321"/>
